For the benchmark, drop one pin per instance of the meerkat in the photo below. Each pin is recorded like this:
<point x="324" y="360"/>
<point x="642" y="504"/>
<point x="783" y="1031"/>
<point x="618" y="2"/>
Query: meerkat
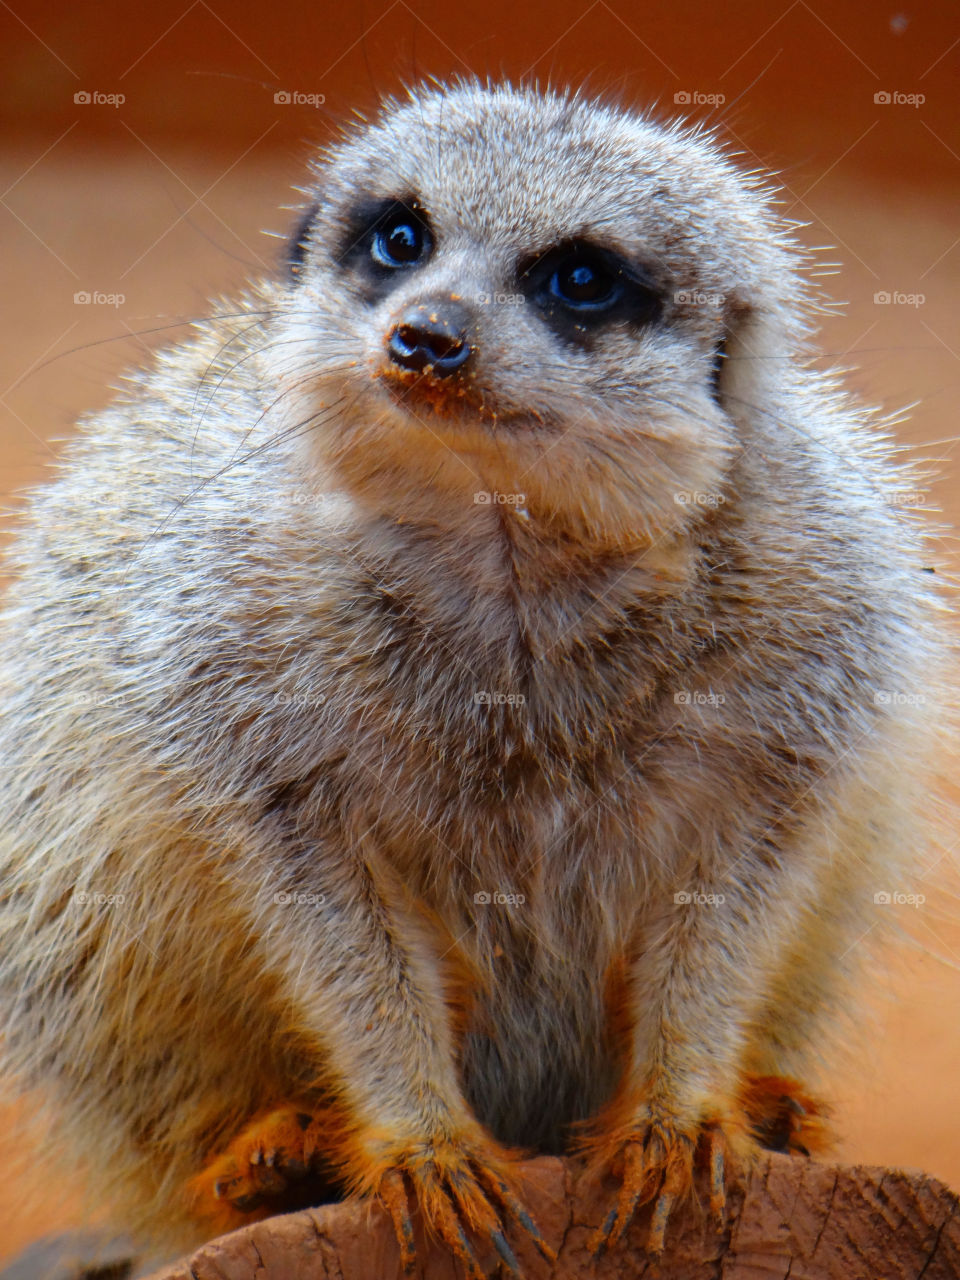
<point x="463" y="701"/>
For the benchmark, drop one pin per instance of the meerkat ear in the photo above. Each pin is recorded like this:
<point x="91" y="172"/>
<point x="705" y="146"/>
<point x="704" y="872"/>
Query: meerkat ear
<point x="738" y="353"/>
<point x="296" y="248"/>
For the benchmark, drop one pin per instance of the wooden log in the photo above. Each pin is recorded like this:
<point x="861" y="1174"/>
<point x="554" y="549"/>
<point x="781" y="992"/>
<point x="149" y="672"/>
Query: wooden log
<point x="788" y="1219"/>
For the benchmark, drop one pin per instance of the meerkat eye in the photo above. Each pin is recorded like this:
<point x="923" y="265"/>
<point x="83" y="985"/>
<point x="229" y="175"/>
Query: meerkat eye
<point x="579" y="286"/>
<point x="584" y="283"/>
<point x="401" y="240"/>
<point x="380" y="240"/>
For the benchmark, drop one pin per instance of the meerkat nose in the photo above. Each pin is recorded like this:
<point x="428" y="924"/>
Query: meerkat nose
<point x="431" y="334"/>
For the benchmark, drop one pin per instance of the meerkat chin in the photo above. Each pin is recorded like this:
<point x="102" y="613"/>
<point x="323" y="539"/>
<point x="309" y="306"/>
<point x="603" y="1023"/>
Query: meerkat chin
<point x="464" y="700"/>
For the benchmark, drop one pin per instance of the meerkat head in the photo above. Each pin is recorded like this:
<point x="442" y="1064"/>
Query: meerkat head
<point x="537" y="297"/>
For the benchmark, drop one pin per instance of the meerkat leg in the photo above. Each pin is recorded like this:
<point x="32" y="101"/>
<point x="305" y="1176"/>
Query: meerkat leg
<point x="858" y="852"/>
<point x="782" y="1112"/>
<point x="398" y="1125"/>
<point x="745" y="959"/>
<point x="705" y="952"/>
<point x="721" y="1065"/>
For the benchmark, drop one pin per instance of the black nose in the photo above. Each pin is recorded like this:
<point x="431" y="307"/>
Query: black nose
<point x="431" y="334"/>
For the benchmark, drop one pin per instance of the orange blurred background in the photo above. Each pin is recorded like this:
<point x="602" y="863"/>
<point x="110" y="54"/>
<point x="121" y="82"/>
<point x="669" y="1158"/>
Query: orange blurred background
<point x="144" y="151"/>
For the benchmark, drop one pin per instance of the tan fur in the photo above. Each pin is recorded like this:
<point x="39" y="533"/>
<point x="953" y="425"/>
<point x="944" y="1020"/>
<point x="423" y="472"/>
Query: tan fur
<point x="252" y="618"/>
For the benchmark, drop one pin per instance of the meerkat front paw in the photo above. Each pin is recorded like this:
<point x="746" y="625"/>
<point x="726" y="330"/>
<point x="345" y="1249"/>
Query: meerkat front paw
<point x="782" y="1116"/>
<point x="261" y="1166"/>
<point x="654" y="1156"/>
<point x="463" y="1188"/>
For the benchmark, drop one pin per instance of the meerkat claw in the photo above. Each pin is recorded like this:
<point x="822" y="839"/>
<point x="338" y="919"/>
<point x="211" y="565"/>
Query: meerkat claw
<point x="464" y="1251"/>
<point x="658" y="1223"/>
<point x="455" y="1188"/>
<point x="717" y="1167"/>
<point x="600" y="1240"/>
<point x="631" y="1192"/>
<point x="515" y="1208"/>
<point x="393" y="1196"/>
<point x="508" y="1257"/>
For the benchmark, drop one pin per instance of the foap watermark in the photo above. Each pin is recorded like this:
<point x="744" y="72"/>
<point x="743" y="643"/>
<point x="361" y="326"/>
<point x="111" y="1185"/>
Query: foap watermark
<point x="897" y="698"/>
<point x="695" y="98"/>
<point x="698" y="698"/>
<point x="896" y="298"/>
<point x="498" y="899"/>
<point x="94" y="98"/>
<point x="500" y="299"/>
<point x="894" y="98"/>
<point x="494" y="498"/>
<point x="84" y="699"/>
<point x="294" y="98"/>
<point x="895" y="898"/>
<point x="699" y="298"/>
<point x="94" y="298"/>
<point x="693" y="898"/>
<point x="698" y="498"/>
<point x="301" y="699"/>
<point x="484" y="698"/>
<point x="84" y="898"/>
<point x="111" y="498"/>
<point x="275" y="505"/>
<point x="298" y="899"/>
<point x="308" y="498"/>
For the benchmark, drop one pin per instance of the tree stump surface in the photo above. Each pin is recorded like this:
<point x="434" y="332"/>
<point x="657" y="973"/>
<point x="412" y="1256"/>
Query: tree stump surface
<point x="788" y="1219"/>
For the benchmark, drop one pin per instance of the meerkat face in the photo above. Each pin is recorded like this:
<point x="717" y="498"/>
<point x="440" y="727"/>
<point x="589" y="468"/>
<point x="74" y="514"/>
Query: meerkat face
<point x="500" y="290"/>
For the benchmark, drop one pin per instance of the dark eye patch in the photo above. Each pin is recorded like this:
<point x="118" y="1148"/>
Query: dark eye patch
<point x="385" y="239"/>
<point x="580" y="287"/>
